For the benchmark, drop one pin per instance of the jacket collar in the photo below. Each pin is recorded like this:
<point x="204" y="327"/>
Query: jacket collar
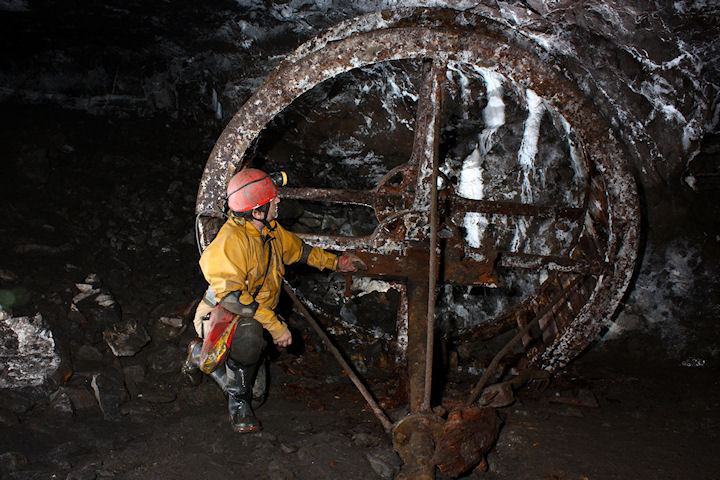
<point x="250" y="229"/>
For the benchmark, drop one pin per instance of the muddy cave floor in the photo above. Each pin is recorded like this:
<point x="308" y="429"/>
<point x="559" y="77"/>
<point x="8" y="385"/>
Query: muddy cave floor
<point x="652" y="421"/>
<point x="80" y="199"/>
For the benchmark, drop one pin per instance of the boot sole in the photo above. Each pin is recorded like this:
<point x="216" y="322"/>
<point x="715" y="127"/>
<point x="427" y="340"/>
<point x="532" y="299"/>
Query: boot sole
<point x="246" y="429"/>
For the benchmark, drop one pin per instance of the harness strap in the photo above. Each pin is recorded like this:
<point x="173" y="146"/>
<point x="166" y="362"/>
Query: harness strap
<point x="267" y="267"/>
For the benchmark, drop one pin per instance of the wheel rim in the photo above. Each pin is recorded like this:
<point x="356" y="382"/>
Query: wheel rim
<point x="593" y="285"/>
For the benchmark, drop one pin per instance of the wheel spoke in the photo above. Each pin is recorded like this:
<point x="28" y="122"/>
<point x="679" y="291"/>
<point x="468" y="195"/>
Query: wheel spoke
<point x="427" y="129"/>
<point x="550" y="262"/>
<point x="330" y="195"/>
<point x="338" y="242"/>
<point x="460" y="205"/>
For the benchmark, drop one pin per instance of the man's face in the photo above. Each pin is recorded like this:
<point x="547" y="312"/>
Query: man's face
<point x="273" y="210"/>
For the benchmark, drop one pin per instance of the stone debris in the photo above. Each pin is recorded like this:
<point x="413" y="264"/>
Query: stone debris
<point x="126" y="340"/>
<point x="81" y="399"/>
<point x="89" y="353"/>
<point x="85" y="291"/>
<point x="168" y="329"/>
<point x="91" y="288"/>
<point x="14" y="402"/>
<point x="582" y="398"/>
<point x="12" y="462"/>
<point x="366" y="440"/>
<point x="134" y="377"/>
<point x="60" y="402"/>
<point x="384" y="462"/>
<point x="28" y="353"/>
<point x="288" y="449"/>
<point x="105" y="300"/>
<point x="693" y="362"/>
<point x="110" y="393"/>
<point x="7" y="276"/>
<point x="174" y="322"/>
<point x="498" y="395"/>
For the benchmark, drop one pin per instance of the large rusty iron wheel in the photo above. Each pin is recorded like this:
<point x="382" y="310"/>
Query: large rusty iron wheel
<point x="585" y="278"/>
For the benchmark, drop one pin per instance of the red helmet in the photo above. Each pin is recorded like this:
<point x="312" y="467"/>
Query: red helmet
<point x="250" y="188"/>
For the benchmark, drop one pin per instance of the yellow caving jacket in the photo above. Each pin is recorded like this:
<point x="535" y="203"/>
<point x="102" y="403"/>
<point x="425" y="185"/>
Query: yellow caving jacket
<point x="236" y="260"/>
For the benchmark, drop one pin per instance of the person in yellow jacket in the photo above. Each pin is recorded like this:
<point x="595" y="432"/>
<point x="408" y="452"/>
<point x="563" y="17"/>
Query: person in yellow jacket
<point x="244" y="266"/>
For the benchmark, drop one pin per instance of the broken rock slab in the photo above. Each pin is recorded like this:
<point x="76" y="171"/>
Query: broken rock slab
<point x="110" y="393"/>
<point x="168" y="329"/>
<point x="89" y="353"/>
<point x="497" y="395"/>
<point x="28" y="354"/>
<point x="61" y="403"/>
<point x="81" y="399"/>
<point x="126" y="340"/>
<point x="134" y="377"/>
<point x="384" y="462"/>
<point x="174" y="322"/>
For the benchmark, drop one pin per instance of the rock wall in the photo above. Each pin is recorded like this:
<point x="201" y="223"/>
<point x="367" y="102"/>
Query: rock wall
<point x="651" y="68"/>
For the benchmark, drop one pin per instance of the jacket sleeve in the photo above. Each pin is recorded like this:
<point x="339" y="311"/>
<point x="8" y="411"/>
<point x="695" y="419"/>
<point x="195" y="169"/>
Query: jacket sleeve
<point x="270" y="321"/>
<point x="294" y="250"/>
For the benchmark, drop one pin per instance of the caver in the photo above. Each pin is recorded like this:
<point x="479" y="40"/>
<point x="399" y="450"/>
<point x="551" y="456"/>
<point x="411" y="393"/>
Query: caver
<point x="244" y="266"/>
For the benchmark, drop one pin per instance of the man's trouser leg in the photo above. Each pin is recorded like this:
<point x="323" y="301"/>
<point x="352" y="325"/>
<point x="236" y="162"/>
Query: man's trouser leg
<point x="242" y="365"/>
<point x="191" y="367"/>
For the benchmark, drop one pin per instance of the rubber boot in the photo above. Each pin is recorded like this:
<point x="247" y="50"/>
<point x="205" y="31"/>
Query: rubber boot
<point x="240" y="379"/>
<point x="259" y="392"/>
<point x="260" y="386"/>
<point x="191" y="369"/>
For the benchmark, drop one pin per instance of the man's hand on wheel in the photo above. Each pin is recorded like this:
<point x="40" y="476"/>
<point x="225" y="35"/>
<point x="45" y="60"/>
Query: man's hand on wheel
<point x="349" y="262"/>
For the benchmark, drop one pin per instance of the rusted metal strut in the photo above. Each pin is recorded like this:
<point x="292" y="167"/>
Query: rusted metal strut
<point x="436" y="75"/>
<point x="386" y="423"/>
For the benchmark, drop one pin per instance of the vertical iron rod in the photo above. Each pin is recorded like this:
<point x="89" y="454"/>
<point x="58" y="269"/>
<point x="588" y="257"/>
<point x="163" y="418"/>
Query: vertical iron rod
<point x="436" y="93"/>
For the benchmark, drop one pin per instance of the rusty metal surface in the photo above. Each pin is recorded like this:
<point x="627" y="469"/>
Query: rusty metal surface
<point x="415" y="438"/>
<point x="417" y="294"/>
<point x="611" y="221"/>
<point x="468" y="434"/>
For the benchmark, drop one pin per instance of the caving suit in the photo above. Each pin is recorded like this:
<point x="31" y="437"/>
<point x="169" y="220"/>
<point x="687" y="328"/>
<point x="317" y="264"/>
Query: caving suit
<point x="244" y="269"/>
<point x="242" y="260"/>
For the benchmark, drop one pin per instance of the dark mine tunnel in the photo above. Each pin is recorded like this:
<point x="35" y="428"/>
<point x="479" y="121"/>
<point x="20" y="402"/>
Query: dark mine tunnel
<point x="515" y="205"/>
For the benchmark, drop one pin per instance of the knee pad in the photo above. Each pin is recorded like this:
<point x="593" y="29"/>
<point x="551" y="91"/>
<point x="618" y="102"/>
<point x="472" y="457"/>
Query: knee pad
<point x="247" y="342"/>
